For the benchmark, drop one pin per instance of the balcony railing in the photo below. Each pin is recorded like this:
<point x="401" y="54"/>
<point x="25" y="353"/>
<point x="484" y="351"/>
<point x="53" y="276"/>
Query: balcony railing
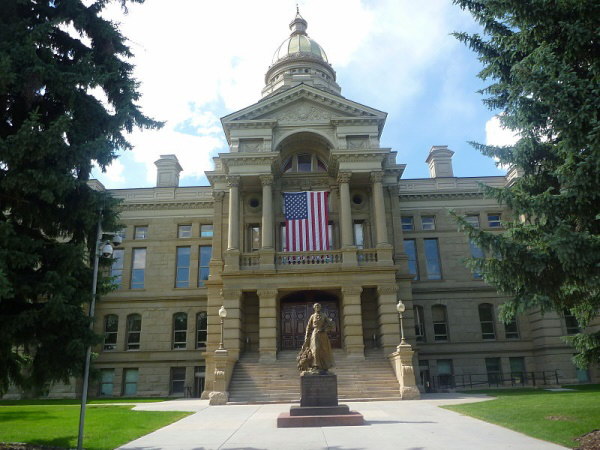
<point x="308" y="258"/>
<point x="290" y="260"/>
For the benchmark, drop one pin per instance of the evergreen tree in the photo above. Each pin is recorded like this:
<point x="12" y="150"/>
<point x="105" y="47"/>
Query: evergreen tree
<point x="542" y="59"/>
<point x="54" y="54"/>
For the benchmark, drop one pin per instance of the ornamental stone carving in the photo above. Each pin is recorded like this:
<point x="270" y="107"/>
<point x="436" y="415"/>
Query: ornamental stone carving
<point x="233" y="181"/>
<point x="344" y="177"/>
<point x="218" y="196"/>
<point x="376" y="177"/>
<point x="303" y="113"/>
<point x="387" y="289"/>
<point x="266" y="180"/>
<point x="267" y="293"/>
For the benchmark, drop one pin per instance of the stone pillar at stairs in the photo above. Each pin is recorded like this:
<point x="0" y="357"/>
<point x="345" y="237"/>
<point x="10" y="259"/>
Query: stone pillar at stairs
<point x="402" y="362"/>
<point x="389" y="329"/>
<point x="352" y="319"/>
<point x="267" y="325"/>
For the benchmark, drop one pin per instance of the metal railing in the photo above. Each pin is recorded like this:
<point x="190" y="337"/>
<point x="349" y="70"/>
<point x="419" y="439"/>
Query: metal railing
<point x="491" y="380"/>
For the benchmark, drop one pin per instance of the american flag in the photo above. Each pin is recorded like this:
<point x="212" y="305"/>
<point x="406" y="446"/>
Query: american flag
<point x="306" y="220"/>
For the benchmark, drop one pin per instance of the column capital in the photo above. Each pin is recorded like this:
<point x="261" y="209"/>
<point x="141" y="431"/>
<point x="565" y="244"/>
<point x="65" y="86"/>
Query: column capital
<point x="387" y="289"/>
<point x="352" y="290"/>
<point x="267" y="293"/>
<point x="344" y="177"/>
<point x="231" y="293"/>
<point x="233" y="180"/>
<point x="394" y="189"/>
<point x="218" y="196"/>
<point x="266" y="180"/>
<point x="377" y="177"/>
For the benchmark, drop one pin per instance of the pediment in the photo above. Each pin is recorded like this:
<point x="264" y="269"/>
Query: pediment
<point x="304" y="104"/>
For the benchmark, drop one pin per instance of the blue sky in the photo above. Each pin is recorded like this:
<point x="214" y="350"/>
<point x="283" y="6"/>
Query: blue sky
<point x="198" y="61"/>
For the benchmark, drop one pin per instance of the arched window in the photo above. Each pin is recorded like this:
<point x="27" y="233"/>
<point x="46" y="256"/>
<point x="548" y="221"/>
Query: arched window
<point x="486" y="318"/>
<point x="304" y="163"/>
<point x="134" y="331"/>
<point x="111" y="327"/>
<point x="201" y="322"/>
<point x="179" y="330"/>
<point x="419" y="323"/>
<point x="440" y="322"/>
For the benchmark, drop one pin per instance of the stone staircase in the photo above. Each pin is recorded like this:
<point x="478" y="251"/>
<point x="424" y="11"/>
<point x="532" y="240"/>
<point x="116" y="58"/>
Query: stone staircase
<point x="370" y="379"/>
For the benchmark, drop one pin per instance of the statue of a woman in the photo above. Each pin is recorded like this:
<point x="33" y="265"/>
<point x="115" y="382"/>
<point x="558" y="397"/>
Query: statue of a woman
<point x="316" y="355"/>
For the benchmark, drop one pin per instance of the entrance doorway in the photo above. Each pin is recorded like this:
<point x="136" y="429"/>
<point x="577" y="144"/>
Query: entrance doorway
<point x="296" y="309"/>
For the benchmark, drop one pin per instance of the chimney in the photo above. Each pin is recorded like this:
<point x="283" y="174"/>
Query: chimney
<point x="167" y="171"/>
<point x="440" y="161"/>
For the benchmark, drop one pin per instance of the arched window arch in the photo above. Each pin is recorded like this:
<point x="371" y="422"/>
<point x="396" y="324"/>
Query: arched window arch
<point x="134" y="331"/>
<point x="303" y="162"/>
<point x="111" y="328"/>
<point x="440" y="322"/>
<point x="419" y="323"/>
<point x="179" y="330"/>
<point x="486" y="318"/>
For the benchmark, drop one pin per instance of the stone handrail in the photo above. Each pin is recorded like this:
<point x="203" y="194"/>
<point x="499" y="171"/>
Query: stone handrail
<point x="366" y="256"/>
<point x="290" y="259"/>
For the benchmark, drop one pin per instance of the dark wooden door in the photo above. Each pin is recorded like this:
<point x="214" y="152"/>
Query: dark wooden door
<point x="294" y="317"/>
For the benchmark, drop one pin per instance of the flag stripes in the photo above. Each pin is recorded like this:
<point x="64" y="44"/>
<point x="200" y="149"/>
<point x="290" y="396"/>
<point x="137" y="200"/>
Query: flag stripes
<point x="307" y="218"/>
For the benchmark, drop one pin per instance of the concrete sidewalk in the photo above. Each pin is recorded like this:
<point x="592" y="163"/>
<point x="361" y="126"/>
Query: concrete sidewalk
<point x="415" y="425"/>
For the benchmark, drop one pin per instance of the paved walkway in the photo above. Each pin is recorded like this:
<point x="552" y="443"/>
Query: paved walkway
<point x="414" y="425"/>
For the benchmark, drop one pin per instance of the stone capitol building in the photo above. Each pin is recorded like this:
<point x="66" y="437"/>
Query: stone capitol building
<point x="187" y="251"/>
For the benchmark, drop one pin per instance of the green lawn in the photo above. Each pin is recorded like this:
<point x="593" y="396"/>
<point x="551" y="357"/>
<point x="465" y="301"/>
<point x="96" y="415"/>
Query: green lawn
<point x="56" y="424"/>
<point x="558" y="417"/>
<point x="93" y="401"/>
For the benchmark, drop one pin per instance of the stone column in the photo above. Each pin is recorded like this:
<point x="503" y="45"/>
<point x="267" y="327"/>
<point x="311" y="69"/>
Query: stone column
<point x="389" y="327"/>
<point x="216" y="262"/>
<point x="267" y="325"/>
<point x="233" y="235"/>
<point x="345" y="213"/>
<point x="380" y="224"/>
<point x="232" y="326"/>
<point x="267" y="211"/>
<point x="353" y="326"/>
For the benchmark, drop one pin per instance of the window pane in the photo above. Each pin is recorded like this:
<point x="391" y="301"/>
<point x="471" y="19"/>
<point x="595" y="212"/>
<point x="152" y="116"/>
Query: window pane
<point x="254" y="238"/>
<point x="419" y="323"/>
<point x="432" y="256"/>
<point x="140" y="232"/>
<point x="411" y="251"/>
<point x="184" y="231"/>
<point x="131" y="379"/>
<point x="134" y="327"/>
<point x="106" y="381"/>
<point x="473" y="220"/>
<point x="428" y="222"/>
<point x="183" y="267"/>
<point x="180" y="330"/>
<point x="486" y="317"/>
<point x="494" y="370"/>
<point x="476" y="252"/>
<point x="116" y="269"/>
<point x="304" y="163"/>
<point x="206" y="230"/>
<point x="201" y="323"/>
<point x="494" y="221"/>
<point x="511" y="329"/>
<point x="177" y="380"/>
<point x="571" y="322"/>
<point x="407" y="223"/>
<point x="440" y="328"/>
<point x="111" y="327"/>
<point x="205" y="252"/>
<point x="359" y="239"/>
<point x="138" y="268"/>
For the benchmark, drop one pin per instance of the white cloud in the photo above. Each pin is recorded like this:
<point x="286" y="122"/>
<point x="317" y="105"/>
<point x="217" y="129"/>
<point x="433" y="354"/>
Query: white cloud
<point x="496" y="134"/>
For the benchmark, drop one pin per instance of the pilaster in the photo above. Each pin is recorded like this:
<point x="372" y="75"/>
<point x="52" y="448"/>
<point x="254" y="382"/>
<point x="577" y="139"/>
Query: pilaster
<point x="216" y="262"/>
<point x="267" y="325"/>
<point x="233" y="235"/>
<point x="352" y="319"/>
<point x="232" y="336"/>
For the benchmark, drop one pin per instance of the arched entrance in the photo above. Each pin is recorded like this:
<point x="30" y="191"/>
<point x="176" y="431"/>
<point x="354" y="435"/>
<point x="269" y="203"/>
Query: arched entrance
<point x="295" y="310"/>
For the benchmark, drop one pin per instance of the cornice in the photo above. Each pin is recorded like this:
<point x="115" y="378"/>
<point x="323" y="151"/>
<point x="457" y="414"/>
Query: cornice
<point x="440" y="195"/>
<point x="165" y="205"/>
<point x="245" y="124"/>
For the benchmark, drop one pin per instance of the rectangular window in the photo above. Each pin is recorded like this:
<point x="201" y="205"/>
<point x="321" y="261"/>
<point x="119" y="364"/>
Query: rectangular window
<point x="184" y="231"/>
<point x="111" y="328"/>
<point x="138" y="268"/>
<point x="517" y="369"/>
<point x="201" y="325"/>
<point x="511" y="330"/>
<point x="419" y="324"/>
<point x="205" y="253"/>
<point x="428" y="223"/>
<point x="432" y="257"/>
<point x="182" y="278"/>
<point x="106" y="382"/>
<point x="486" y="319"/>
<point x="330" y="235"/>
<point x="177" y="380"/>
<point x="410" y="248"/>
<point x="571" y="322"/>
<point x="407" y="223"/>
<point x="359" y="234"/>
<point x="206" y="230"/>
<point x="116" y="268"/>
<point x="494" y="370"/>
<point x="140" y="232"/>
<point x="440" y="324"/>
<point x="130" y="380"/>
<point x="304" y="163"/>
<point x="283" y="245"/>
<point x="180" y="330"/>
<point x="494" y="221"/>
<point x="254" y="237"/>
<point x="476" y="252"/>
<point x="473" y="220"/>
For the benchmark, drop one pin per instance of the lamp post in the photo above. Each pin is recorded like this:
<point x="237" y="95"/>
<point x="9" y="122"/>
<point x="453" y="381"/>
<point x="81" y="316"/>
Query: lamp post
<point x="400" y="307"/>
<point x="104" y="249"/>
<point x="222" y="315"/>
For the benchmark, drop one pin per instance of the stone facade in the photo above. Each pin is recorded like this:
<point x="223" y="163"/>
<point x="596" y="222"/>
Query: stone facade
<point x="392" y="239"/>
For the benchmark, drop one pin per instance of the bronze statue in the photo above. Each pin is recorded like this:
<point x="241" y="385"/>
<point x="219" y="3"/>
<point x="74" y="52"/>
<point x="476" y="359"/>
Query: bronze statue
<point x="316" y="355"/>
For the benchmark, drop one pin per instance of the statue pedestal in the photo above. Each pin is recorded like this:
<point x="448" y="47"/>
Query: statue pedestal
<point x="319" y="405"/>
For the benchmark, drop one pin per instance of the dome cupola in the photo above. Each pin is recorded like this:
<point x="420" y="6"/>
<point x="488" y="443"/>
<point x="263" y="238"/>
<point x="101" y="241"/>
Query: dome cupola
<point x="299" y="59"/>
